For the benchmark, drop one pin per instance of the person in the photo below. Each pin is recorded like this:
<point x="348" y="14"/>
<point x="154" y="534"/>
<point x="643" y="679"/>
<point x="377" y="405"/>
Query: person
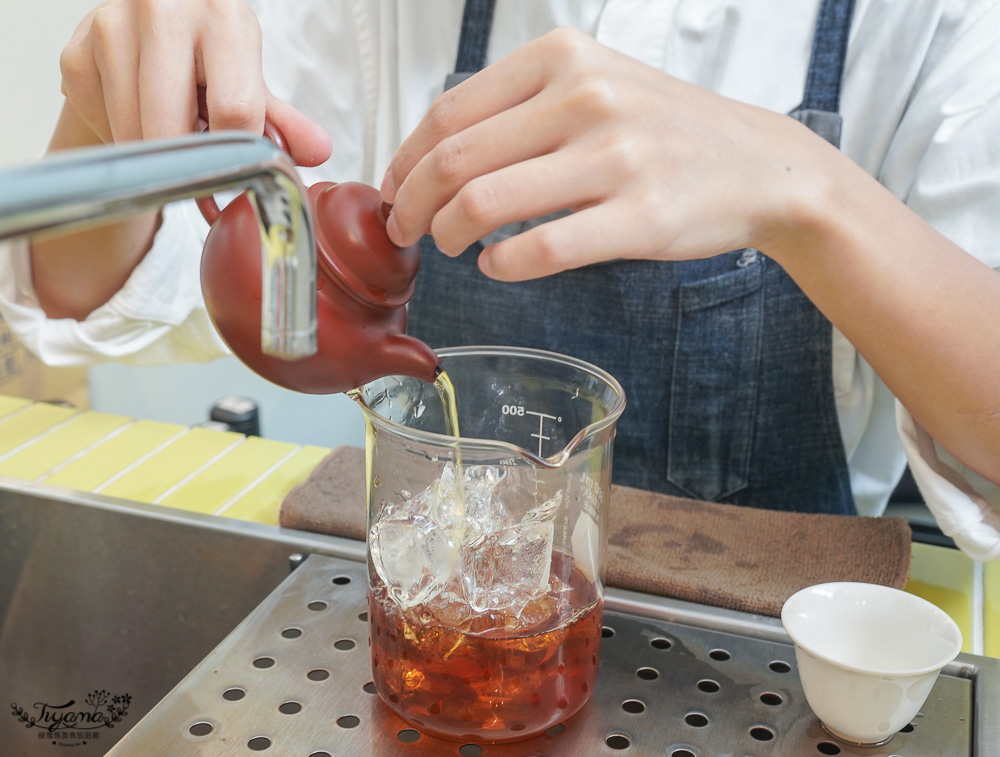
<point x="697" y="241"/>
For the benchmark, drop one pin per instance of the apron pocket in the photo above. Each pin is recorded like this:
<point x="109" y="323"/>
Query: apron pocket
<point x="714" y="385"/>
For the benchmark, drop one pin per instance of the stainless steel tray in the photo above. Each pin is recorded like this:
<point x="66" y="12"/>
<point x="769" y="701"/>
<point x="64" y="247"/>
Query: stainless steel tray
<point x="676" y="679"/>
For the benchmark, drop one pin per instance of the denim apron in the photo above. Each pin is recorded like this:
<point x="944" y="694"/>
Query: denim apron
<point x="726" y="364"/>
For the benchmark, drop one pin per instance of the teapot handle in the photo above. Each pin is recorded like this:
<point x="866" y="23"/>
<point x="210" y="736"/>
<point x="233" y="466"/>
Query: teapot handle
<point x="207" y="205"/>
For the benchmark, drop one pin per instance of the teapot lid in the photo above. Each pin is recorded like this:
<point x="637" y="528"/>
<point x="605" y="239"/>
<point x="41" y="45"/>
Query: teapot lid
<point x="353" y="248"/>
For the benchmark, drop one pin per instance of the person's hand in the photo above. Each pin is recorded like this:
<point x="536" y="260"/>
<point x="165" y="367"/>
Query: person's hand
<point x="142" y="69"/>
<point x="147" y="69"/>
<point x="654" y="168"/>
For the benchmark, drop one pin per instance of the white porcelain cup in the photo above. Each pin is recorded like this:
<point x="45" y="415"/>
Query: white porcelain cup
<point x="867" y="655"/>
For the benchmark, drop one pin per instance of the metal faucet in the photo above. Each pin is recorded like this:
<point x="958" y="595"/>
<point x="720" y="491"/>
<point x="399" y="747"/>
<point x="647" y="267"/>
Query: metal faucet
<point x="80" y="188"/>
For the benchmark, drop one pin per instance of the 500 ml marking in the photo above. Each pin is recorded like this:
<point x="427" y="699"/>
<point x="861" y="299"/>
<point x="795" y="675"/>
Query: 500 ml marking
<point x="518" y="411"/>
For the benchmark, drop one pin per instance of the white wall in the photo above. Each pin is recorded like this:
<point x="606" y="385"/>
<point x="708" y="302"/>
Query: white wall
<point x="32" y="33"/>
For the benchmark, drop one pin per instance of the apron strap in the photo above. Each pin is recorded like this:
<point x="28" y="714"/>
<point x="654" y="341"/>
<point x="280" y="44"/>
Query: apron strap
<point x="821" y="100"/>
<point x="826" y="64"/>
<point x="477" y="18"/>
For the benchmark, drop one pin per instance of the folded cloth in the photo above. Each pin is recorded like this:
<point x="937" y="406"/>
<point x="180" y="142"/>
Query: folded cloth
<point x="742" y="558"/>
<point x="332" y="500"/>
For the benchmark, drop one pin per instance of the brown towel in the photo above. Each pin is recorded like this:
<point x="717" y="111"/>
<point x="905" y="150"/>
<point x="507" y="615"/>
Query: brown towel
<point x="742" y="558"/>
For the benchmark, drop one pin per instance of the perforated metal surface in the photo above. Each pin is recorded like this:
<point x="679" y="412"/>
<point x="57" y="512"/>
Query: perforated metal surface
<point x="294" y="680"/>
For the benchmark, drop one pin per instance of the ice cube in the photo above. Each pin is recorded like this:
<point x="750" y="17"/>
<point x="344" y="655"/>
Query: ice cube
<point x="507" y="569"/>
<point x="455" y="550"/>
<point x="415" y="544"/>
<point x="485" y="513"/>
<point x="414" y="557"/>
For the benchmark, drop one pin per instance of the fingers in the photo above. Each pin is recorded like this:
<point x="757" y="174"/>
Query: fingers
<point x="308" y="141"/>
<point x="137" y="69"/>
<point x="445" y="172"/>
<point x="168" y="87"/>
<point x="230" y="61"/>
<point x="89" y="58"/>
<point x="504" y="85"/>
<point x="544" y="98"/>
<point x="518" y="192"/>
<point x="590" y="236"/>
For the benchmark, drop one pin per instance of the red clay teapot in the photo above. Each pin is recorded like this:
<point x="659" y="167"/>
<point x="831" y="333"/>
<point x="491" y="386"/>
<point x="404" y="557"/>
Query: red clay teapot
<point x="363" y="284"/>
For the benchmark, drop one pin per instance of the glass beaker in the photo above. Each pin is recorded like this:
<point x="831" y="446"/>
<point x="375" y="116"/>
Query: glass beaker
<point x="486" y="551"/>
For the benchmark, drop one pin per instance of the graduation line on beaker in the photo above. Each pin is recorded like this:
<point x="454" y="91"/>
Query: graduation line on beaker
<point x="541" y="420"/>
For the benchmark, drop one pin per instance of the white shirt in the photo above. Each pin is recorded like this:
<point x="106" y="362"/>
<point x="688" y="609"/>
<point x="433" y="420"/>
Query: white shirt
<point x="921" y="108"/>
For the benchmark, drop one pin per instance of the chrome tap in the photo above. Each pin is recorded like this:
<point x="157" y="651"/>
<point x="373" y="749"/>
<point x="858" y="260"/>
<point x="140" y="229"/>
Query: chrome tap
<point x="80" y="188"/>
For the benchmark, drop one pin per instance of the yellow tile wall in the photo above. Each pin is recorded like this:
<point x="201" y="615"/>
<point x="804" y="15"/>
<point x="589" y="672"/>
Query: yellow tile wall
<point x="154" y="476"/>
<point x="18" y="428"/>
<point x="213" y="488"/>
<point x="193" y="469"/>
<point x="106" y="460"/>
<point x="945" y="577"/>
<point x="10" y="404"/>
<point x="50" y="450"/>
<point x="991" y="609"/>
<point x="262" y="503"/>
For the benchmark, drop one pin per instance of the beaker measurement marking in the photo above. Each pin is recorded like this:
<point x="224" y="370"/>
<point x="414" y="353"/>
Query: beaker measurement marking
<point x="541" y="421"/>
<point x="519" y="411"/>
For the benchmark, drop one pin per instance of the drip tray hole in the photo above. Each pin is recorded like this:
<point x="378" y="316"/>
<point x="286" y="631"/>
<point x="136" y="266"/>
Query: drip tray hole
<point x="618" y="741"/>
<point x="201" y="729"/>
<point x="234" y="694"/>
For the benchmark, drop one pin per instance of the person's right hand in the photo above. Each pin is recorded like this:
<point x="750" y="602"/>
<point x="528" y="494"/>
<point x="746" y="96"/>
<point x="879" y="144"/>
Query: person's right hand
<point x="146" y="69"/>
<point x="143" y="69"/>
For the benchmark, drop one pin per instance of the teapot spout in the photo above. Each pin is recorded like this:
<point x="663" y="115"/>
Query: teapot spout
<point x="404" y="355"/>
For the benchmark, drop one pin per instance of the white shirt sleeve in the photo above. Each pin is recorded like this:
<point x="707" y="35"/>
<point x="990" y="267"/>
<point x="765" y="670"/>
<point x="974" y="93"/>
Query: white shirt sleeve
<point x="965" y="505"/>
<point x="944" y="163"/>
<point x="158" y="316"/>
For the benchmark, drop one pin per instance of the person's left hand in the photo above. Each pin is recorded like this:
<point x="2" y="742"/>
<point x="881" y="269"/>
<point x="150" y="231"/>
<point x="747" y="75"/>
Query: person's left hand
<point x="653" y="167"/>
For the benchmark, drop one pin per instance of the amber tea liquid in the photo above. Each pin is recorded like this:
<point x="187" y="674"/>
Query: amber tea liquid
<point x="510" y="682"/>
<point x="446" y="391"/>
